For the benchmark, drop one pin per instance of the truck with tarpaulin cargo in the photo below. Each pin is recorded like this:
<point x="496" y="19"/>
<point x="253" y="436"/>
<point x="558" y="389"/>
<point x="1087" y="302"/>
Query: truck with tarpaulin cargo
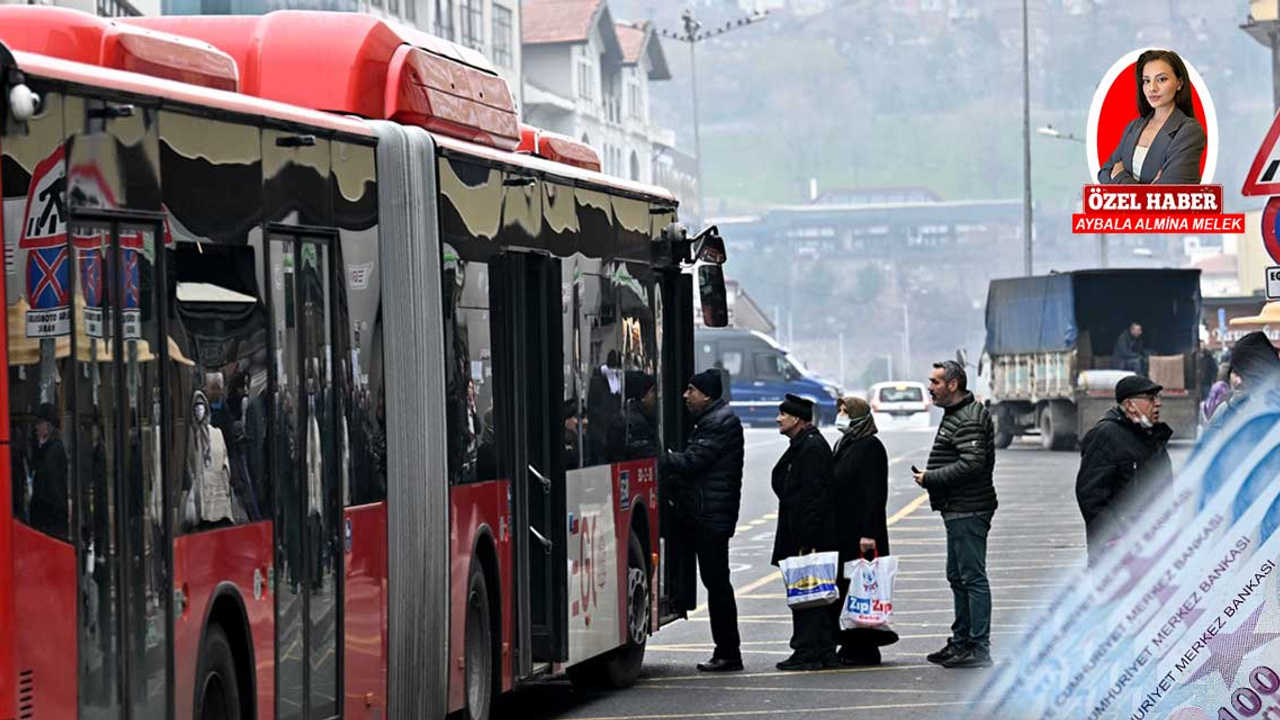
<point x="1050" y="349"/>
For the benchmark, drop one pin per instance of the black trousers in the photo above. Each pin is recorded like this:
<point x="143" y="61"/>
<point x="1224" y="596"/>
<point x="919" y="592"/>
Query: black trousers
<point x="713" y="566"/>
<point x="812" y="634"/>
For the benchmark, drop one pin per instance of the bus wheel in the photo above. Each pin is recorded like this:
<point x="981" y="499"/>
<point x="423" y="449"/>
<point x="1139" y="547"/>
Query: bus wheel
<point x="217" y="695"/>
<point x="621" y="668"/>
<point x="479" y="645"/>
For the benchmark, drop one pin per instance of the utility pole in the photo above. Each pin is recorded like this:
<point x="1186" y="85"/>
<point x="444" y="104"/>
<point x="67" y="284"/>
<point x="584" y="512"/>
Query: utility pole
<point x="1026" y="146"/>
<point x="694" y="34"/>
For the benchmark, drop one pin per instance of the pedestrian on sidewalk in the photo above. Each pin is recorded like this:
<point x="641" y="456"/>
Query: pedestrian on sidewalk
<point x="708" y="482"/>
<point x="1123" y="459"/>
<point x="860" y="493"/>
<point x="959" y="480"/>
<point x="806" y="524"/>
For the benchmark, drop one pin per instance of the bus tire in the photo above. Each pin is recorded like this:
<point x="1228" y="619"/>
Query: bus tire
<point x="621" y="668"/>
<point x="217" y="694"/>
<point x="479" y="648"/>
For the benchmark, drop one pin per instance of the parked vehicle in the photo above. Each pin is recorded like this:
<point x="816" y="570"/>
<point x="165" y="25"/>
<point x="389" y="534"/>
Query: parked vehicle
<point x="899" y="404"/>
<point x="1050" y="340"/>
<point x="761" y="372"/>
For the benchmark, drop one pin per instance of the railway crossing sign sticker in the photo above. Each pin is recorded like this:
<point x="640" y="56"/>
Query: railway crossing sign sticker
<point x="44" y="238"/>
<point x="1273" y="282"/>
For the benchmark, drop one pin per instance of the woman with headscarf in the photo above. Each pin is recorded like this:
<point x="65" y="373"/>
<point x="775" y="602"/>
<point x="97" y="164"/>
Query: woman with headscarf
<point x="860" y="478"/>
<point x="1255" y="365"/>
<point x="208" y="500"/>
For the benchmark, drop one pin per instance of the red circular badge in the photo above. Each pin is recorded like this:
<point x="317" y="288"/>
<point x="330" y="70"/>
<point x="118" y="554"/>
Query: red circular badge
<point x="1270" y="215"/>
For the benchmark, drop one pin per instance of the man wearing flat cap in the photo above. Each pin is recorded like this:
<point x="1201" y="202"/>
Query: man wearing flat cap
<point x="806" y="523"/>
<point x="1123" y="460"/>
<point x="708" y="482"/>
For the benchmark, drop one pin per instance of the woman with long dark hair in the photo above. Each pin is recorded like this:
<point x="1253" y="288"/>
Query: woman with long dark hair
<point x="1163" y="145"/>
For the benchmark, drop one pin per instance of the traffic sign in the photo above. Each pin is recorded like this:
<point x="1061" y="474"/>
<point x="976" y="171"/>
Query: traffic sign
<point x="1264" y="174"/>
<point x="1273" y="283"/>
<point x="1270" y="218"/>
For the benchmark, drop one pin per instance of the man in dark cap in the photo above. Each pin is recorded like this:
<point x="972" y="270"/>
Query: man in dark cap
<point x="959" y="479"/>
<point x="1254" y="365"/>
<point x="1123" y="459"/>
<point x="806" y="523"/>
<point x="47" y="464"/>
<point x="708" y="480"/>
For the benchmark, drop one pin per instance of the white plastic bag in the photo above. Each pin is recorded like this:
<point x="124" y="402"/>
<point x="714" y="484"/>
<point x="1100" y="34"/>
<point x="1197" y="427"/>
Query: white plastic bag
<point x="811" y="579"/>
<point x="870" y="600"/>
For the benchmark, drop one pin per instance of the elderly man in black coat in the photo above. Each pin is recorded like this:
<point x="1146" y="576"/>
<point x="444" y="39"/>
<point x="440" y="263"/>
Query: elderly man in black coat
<point x="806" y="523"/>
<point x="708" y="481"/>
<point x="1122" y="460"/>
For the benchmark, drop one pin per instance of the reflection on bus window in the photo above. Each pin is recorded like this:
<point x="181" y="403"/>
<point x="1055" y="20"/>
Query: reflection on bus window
<point x="469" y="381"/>
<point x="46" y="474"/>
<point x="635" y="437"/>
<point x="574" y="380"/>
<point x="218" y="319"/>
<point x="602" y="365"/>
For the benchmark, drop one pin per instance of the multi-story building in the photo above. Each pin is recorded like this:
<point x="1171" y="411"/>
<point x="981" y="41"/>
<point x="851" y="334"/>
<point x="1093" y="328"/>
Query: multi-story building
<point x="587" y="76"/>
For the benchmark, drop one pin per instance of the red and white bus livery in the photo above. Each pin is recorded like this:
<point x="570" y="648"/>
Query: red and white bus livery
<point x="332" y="390"/>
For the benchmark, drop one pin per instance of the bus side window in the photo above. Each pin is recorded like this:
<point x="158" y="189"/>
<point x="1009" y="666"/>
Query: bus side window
<point x="218" y="319"/>
<point x="602" y="366"/>
<point x="469" y="381"/>
<point x="635" y="436"/>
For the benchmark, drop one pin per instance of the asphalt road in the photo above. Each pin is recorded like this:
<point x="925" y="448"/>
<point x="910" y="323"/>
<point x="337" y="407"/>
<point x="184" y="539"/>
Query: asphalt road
<point x="1036" y="538"/>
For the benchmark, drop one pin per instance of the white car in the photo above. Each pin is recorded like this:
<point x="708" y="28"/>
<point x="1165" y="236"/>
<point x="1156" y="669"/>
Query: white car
<point x="899" y="404"/>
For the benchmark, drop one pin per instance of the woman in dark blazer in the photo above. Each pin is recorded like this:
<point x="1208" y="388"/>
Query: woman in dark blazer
<point x="860" y="482"/>
<point x="1164" y="144"/>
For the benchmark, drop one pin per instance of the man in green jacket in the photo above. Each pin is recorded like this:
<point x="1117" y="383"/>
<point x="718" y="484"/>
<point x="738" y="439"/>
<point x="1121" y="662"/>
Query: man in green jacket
<point x="960" y="487"/>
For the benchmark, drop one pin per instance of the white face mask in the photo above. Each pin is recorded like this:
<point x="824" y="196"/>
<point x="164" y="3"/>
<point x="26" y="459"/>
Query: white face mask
<point x="200" y="410"/>
<point x="843" y="422"/>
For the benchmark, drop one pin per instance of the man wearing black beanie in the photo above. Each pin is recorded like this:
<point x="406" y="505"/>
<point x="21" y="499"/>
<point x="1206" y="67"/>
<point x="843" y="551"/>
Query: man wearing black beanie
<point x="708" y="481"/>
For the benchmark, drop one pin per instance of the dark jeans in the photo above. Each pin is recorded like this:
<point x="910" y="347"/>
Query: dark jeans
<point x="1137" y="364"/>
<point x="812" y="634"/>
<point x="967" y="573"/>
<point x="713" y="565"/>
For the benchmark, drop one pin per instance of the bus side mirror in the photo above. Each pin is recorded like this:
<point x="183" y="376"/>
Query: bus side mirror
<point x="708" y="247"/>
<point x="715" y="301"/>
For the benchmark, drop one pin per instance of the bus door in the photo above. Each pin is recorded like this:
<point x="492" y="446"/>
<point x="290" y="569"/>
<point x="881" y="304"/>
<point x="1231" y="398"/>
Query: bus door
<point x="117" y="443"/>
<point x="526" y="297"/>
<point x="679" y="583"/>
<point x="305" y="458"/>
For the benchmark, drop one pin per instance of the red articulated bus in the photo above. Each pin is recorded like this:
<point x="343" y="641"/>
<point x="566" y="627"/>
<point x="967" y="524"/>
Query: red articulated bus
<point x="332" y="390"/>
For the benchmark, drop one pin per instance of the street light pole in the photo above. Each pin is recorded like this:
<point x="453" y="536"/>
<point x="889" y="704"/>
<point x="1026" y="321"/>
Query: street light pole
<point x="691" y="26"/>
<point x="1026" y="146"/>
<point x="1050" y="132"/>
<point x="693" y="34"/>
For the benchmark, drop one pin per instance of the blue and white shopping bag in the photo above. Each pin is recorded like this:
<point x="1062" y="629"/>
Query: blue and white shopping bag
<point x="811" y="579"/>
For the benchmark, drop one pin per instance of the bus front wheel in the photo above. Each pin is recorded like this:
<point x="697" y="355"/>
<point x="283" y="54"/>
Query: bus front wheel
<point x="217" y="694"/>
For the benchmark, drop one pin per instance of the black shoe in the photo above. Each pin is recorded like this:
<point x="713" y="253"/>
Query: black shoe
<point x="799" y="664"/>
<point x="972" y="658"/>
<point x="831" y="661"/>
<point x="721" y="665"/>
<point x="945" y="654"/>
<point x="860" y="658"/>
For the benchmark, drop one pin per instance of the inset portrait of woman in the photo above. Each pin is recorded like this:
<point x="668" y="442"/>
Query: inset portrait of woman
<point x="1165" y="143"/>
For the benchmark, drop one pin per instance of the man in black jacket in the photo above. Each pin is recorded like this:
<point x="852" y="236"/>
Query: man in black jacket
<point x="1130" y="353"/>
<point x="708" y="477"/>
<point x="1122" y="460"/>
<point x="806" y="523"/>
<point x="959" y="481"/>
